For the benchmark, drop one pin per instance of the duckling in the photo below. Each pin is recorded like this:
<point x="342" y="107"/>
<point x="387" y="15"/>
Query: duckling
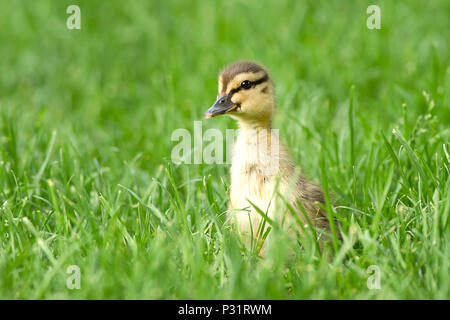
<point x="261" y="165"/>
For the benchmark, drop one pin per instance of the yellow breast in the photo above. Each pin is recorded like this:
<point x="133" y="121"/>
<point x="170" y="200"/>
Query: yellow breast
<point x="258" y="161"/>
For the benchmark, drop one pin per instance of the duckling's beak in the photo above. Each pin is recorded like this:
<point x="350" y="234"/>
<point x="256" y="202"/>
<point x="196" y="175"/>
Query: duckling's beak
<point x="221" y="106"/>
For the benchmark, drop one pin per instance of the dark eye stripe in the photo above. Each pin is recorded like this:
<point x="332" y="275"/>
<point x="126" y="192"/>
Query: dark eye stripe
<point x="263" y="79"/>
<point x="253" y="83"/>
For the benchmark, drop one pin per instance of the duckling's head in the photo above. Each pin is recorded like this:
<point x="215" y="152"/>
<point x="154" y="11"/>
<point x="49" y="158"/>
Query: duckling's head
<point x="245" y="93"/>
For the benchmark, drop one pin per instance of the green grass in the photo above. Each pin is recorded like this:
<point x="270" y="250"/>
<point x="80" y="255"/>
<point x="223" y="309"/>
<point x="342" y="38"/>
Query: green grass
<point x="86" y="118"/>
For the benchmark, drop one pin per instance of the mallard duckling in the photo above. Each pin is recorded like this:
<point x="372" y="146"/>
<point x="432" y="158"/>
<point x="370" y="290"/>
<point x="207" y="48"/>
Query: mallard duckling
<point x="261" y="165"/>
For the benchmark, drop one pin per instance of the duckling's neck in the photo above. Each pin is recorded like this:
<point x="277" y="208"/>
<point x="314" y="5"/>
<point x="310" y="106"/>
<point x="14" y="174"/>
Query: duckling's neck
<point x="257" y="149"/>
<point x="255" y="124"/>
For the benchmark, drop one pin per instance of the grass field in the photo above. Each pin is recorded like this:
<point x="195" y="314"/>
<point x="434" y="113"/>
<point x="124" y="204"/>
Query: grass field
<point x="86" y="118"/>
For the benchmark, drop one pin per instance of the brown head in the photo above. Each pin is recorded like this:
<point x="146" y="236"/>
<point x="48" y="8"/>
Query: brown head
<point x="245" y="93"/>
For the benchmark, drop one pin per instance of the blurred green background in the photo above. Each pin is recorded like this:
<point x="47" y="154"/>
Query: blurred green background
<point x="86" y="123"/>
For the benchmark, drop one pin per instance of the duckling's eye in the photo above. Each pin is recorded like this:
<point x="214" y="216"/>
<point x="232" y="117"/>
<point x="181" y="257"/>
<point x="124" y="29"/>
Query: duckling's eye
<point x="246" y="84"/>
